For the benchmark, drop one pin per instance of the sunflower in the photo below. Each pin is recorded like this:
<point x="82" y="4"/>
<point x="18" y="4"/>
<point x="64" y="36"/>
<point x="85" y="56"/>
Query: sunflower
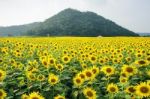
<point x="128" y="59"/>
<point x="59" y="97"/>
<point x="84" y="65"/>
<point x="141" y="62"/>
<point x="66" y="59"/>
<point x="101" y="61"/>
<point x="77" y="81"/>
<point x="138" y="55"/>
<point x="95" y="70"/>
<point x="143" y="89"/>
<point x="35" y="95"/>
<point x="130" y="90"/>
<point x="51" y="61"/>
<point x="89" y="93"/>
<point x="59" y="67"/>
<point x="129" y="70"/>
<point x="3" y="94"/>
<point x="148" y="58"/>
<point x="40" y="77"/>
<point x="123" y="80"/>
<point x="53" y="79"/>
<point x="45" y="63"/>
<point x="123" y="74"/>
<point x="148" y="82"/>
<point x="24" y="96"/>
<point x="112" y="88"/>
<point x="82" y="75"/>
<point x="88" y="73"/>
<point x="2" y="75"/>
<point x="108" y="70"/>
<point x="116" y="60"/>
<point x="93" y="59"/>
<point x="31" y="76"/>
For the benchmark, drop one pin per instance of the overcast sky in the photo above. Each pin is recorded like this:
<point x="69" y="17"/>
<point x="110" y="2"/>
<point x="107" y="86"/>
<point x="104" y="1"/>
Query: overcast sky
<point x="131" y="14"/>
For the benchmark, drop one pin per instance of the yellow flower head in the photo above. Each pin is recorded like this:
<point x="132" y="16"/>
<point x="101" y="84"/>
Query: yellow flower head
<point x="2" y="75"/>
<point x="40" y="77"/>
<point x="112" y="88"/>
<point x="35" y="95"/>
<point x="59" y="97"/>
<point x="53" y="79"/>
<point x="141" y="62"/>
<point x="123" y="80"/>
<point x="24" y="96"/>
<point x="52" y="61"/>
<point x="89" y="74"/>
<point x="82" y="75"/>
<point x="89" y="93"/>
<point x="93" y="59"/>
<point x="77" y="81"/>
<point x="66" y="59"/>
<point x="143" y="89"/>
<point x="129" y="70"/>
<point x="3" y="94"/>
<point x="59" y="67"/>
<point x="31" y="76"/>
<point x="130" y="89"/>
<point x="108" y="70"/>
<point x="95" y="70"/>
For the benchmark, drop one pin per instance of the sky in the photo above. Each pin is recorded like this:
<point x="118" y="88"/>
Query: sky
<point x="131" y="14"/>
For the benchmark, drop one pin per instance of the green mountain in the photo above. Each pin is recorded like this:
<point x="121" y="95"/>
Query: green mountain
<point x="70" y="22"/>
<point x="17" y="30"/>
<point x="144" y="34"/>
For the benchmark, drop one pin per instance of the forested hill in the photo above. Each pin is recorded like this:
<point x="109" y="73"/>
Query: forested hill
<point x="70" y="22"/>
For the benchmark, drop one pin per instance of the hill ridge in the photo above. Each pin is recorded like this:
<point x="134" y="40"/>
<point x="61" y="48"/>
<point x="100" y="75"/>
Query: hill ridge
<point x="71" y="22"/>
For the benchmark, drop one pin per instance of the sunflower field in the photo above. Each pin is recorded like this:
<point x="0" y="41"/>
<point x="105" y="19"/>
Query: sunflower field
<point x="75" y="68"/>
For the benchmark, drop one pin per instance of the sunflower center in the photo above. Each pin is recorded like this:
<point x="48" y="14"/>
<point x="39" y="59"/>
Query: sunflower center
<point x="144" y="89"/>
<point x="112" y="89"/>
<point x="123" y="80"/>
<point x="65" y="59"/>
<point x="82" y="76"/>
<point x="60" y="98"/>
<point x="139" y="55"/>
<point x="123" y="74"/>
<point x="115" y="60"/>
<point x="108" y="70"/>
<point x="45" y="63"/>
<point x="53" y="80"/>
<point x="35" y="98"/>
<point x="94" y="71"/>
<point x="0" y="74"/>
<point x="141" y="62"/>
<point x="129" y="69"/>
<point x="131" y="89"/>
<point x="93" y="58"/>
<point x="88" y="74"/>
<point x="1" y="94"/>
<point x="0" y="60"/>
<point x="129" y="59"/>
<point x="12" y="61"/>
<point x="78" y="80"/>
<point x="148" y="58"/>
<point x="101" y="61"/>
<point x="59" y="66"/>
<point x="89" y="94"/>
<point x="51" y="61"/>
